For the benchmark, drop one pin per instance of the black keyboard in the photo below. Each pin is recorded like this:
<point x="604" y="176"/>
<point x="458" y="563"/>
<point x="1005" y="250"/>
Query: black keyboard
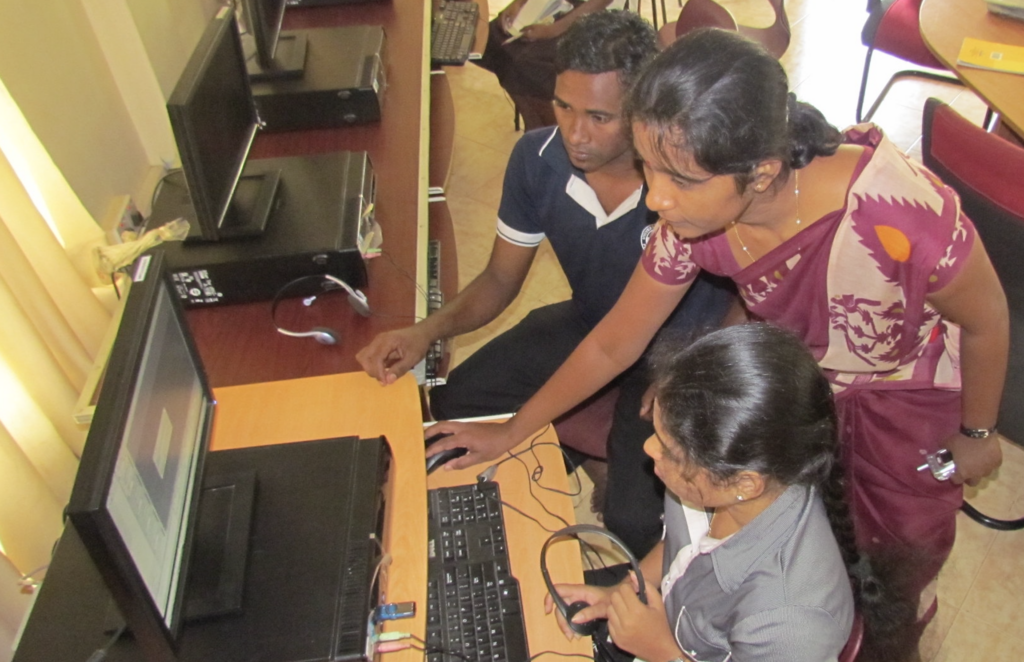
<point x="453" y="32"/>
<point x="473" y="603"/>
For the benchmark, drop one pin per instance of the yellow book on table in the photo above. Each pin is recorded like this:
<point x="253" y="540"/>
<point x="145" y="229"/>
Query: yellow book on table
<point x="992" y="56"/>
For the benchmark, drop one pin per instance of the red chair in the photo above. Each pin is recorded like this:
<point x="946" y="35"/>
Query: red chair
<point x="852" y="647"/>
<point x="893" y="27"/>
<point x="709" y="14"/>
<point x="586" y="427"/>
<point x="984" y="169"/>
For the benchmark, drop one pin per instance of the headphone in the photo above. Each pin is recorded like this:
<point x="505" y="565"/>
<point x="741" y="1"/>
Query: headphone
<point x="321" y="334"/>
<point x="568" y="611"/>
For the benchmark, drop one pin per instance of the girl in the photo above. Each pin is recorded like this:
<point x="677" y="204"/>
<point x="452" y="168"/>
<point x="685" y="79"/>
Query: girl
<point x="745" y="441"/>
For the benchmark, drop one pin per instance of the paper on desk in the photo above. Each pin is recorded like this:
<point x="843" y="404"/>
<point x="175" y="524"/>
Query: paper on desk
<point x="537" y="11"/>
<point x="1011" y="8"/>
<point x="992" y="56"/>
<point x="544" y="11"/>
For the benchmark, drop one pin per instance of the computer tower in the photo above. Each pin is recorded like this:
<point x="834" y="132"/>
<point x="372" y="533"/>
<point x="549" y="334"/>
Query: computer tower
<point x="342" y="84"/>
<point x="322" y="214"/>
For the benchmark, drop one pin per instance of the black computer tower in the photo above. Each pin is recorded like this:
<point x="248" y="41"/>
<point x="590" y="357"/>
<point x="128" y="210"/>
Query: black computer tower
<point x="322" y="213"/>
<point x="343" y="82"/>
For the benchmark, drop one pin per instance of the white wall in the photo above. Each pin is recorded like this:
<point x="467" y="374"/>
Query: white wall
<point x="78" y="98"/>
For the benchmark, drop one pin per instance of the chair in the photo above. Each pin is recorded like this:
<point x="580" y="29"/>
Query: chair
<point x="984" y="169"/>
<point x="709" y="14"/>
<point x="852" y="647"/>
<point x="585" y="427"/>
<point x="893" y="27"/>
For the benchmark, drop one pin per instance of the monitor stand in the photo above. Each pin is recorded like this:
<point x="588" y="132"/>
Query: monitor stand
<point x="289" y="58"/>
<point x="247" y="215"/>
<point x="251" y="205"/>
<point x="216" y="573"/>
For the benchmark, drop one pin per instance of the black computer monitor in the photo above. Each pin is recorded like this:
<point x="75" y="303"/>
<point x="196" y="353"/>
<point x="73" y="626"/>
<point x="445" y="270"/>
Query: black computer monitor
<point x="277" y="54"/>
<point x="215" y="122"/>
<point x="137" y="490"/>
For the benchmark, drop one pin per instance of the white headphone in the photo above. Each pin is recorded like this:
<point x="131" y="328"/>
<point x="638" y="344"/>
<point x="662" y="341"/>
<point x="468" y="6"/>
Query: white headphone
<point x="321" y="334"/>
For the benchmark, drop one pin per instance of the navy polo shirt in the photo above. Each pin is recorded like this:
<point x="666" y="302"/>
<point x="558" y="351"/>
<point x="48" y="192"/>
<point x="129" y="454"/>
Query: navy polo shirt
<point x="546" y="196"/>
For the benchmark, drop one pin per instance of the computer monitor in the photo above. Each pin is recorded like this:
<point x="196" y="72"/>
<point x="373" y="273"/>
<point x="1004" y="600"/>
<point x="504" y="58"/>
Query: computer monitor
<point x="215" y="122"/>
<point x="277" y="54"/>
<point x="137" y="490"/>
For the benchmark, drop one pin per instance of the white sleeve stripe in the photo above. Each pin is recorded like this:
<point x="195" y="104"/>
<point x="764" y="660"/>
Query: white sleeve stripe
<point x="518" y="238"/>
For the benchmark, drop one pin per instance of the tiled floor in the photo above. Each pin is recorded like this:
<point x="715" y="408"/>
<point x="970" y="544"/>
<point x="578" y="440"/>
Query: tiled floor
<point x="983" y="580"/>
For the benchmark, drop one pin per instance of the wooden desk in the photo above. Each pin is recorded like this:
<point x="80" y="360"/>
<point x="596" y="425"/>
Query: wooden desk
<point x="238" y="343"/>
<point x="354" y="404"/>
<point x="945" y="23"/>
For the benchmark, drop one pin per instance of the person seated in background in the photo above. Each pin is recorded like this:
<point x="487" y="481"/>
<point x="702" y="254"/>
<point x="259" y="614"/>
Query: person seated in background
<point x="758" y="561"/>
<point x="525" y="63"/>
<point x="578" y="186"/>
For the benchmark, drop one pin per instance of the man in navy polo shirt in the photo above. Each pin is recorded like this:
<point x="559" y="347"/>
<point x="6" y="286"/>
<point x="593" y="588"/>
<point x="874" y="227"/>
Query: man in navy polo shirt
<point x="578" y="185"/>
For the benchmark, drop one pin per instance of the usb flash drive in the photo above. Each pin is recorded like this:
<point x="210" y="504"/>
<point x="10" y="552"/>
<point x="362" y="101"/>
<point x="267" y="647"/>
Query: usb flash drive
<point x="395" y="610"/>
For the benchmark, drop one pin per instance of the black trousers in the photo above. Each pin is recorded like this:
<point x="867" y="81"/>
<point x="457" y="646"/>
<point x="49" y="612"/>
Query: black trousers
<point x="503" y="374"/>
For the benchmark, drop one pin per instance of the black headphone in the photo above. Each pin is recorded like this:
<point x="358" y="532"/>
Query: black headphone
<point x="568" y="611"/>
<point x="321" y="334"/>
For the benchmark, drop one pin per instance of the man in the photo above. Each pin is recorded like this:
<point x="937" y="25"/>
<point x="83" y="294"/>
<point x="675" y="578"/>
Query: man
<point x="579" y="186"/>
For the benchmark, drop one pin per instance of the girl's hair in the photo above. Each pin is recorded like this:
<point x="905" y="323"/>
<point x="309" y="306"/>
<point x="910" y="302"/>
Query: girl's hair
<point x="725" y="100"/>
<point x="752" y="398"/>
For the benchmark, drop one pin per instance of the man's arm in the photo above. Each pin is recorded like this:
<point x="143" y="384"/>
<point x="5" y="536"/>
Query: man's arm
<point x="392" y="353"/>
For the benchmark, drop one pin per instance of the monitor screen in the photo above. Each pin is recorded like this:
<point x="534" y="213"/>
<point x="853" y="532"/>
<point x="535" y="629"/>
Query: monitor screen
<point x="214" y="122"/>
<point x="136" y="493"/>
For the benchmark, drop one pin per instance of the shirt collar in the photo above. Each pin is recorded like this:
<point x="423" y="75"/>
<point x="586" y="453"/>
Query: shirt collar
<point x="577" y="188"/>
<point x="736" y="558"/>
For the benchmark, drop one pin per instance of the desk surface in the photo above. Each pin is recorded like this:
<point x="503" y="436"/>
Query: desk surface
<point x="354" y="404"/>
<point x="945" y="23"/>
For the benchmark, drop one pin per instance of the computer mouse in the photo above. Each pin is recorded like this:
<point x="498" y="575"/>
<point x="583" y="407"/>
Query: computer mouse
<point x="435" y="438"/>
<point x="435" y="461"/>
<point x="585" y="628"/>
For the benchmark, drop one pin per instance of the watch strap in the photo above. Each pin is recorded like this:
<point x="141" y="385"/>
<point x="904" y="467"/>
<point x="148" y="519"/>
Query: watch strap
<point x="977" y="433"/>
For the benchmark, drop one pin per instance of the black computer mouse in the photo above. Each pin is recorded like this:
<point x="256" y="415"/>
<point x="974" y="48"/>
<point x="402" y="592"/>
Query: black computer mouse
<point x="435" y="438"/>
<point x="435" y="461"/>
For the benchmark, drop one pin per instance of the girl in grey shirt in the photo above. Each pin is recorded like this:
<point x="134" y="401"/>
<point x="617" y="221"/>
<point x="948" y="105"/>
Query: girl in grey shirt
<point x="757" y="560"/>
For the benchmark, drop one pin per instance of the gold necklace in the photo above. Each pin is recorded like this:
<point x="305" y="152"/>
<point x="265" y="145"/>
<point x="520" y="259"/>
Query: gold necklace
<point x="796" y="193"/>
<point x="746" y="250"/>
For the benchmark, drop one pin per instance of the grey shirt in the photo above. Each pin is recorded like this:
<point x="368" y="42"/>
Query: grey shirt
<point x="775" y="590"/>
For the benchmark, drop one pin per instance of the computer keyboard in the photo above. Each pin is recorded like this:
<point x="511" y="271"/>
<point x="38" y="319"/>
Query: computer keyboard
<point x="473" y="603"/>
<point x="453" y="32"/>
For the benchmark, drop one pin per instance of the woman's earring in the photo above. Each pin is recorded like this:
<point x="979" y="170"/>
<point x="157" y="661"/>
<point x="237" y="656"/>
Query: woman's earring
<point x="739" y="497"/>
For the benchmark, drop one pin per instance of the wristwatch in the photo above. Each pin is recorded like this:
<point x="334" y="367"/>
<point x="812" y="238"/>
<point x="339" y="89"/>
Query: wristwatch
<point x="977" y="433"/>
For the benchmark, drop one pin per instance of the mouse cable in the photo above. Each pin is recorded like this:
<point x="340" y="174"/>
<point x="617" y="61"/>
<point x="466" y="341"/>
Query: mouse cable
<point x="586" y="546"/>
<point x="538" y="472"/>
<point x="438" y="649"/>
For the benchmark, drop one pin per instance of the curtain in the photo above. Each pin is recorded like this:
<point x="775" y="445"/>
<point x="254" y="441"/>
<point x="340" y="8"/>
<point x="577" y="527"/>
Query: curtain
<point x="52" y="324"/>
